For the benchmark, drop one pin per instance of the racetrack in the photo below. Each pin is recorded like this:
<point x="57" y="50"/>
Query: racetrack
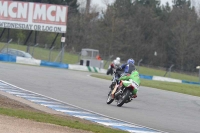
<point x="163" y="110"/>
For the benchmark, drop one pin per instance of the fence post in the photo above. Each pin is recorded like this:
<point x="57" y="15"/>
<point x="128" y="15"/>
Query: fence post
<point x="63" y="47"/>
<point x="34" y="48"/>
<point x="50" y="53"/>
<point x="139" y="64"/>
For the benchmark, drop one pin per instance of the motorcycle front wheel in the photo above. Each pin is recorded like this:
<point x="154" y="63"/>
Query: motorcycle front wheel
<point x="109" y="99"/>
<point x="123" y="98"/>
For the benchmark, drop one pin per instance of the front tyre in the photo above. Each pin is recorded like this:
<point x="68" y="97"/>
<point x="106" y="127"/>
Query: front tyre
<point x="112" y="86"/>
<point x="109" y="99"/>
<point x="123" y="97"/>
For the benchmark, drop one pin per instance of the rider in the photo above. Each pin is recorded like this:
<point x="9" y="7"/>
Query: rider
<point x="126" y="68"/>
<point x="115" y="64"/>
<point x="129" y="66"/>
<point x="129" y="73"/>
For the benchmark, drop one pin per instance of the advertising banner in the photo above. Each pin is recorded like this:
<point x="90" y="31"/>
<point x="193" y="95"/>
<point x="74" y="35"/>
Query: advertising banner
<point x="33" y="16"/>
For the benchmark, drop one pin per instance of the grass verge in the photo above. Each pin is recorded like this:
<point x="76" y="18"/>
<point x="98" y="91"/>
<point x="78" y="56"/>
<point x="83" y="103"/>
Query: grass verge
<point x="175" y="75"/>
<point x="193" y="90"/>
<point x="47" y="118"/>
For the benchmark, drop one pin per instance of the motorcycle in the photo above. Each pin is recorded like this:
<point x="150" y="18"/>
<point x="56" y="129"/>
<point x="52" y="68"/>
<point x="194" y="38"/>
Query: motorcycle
<point x="115" y="78"/>
<point x="124" y="92"/>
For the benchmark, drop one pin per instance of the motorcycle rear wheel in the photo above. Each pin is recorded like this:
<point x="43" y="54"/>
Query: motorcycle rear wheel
<point x="109" y="99"/>
<point x="123" y="98"/>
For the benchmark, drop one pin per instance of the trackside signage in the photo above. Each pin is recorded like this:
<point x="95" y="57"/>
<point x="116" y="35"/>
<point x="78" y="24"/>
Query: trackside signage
<point x="33" y="16"/>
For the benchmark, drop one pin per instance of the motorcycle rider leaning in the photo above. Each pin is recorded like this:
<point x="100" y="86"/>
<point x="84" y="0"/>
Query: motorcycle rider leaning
<point x="129" y="66"/>
<point x="130" y="74"/>
<point x="115" y="64"/>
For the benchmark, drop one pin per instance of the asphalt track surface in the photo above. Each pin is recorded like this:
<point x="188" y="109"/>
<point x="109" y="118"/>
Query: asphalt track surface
<point x="163" y="110"/>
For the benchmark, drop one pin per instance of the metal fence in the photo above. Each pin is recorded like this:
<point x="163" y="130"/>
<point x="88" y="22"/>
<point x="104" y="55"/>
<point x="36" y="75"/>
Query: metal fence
<point x="43" y="52"/>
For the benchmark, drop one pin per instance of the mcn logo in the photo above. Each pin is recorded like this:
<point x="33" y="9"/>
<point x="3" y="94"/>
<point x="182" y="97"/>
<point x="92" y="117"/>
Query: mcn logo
<point x="33" y="12"/>
<point x="44" y="13"/>
<point x="16" y="11"/>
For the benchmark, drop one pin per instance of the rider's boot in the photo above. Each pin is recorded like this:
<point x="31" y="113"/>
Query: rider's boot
<point x="113" y="91"/>
<point x="134" y="96"/>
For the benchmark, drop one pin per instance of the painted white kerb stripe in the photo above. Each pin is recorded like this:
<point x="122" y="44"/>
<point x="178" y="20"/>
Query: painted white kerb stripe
<point x="16" y="93"/>
<point x="57" y="106"/>
<point x="116" y="124"/>
<point x="90" y="117"/>
<point x="42" y="101"/>
<point x="34" y="97"/>
<point x="134" y="131"/>
<point x="69" y="111"/>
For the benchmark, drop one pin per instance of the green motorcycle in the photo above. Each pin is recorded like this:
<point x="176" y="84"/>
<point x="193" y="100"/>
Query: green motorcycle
<point x="126" y="90"/>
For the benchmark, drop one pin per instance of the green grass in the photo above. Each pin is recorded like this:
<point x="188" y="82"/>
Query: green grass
<point x="52" y="119"/>
<point x="193" y="90"/>
<point x="156" y="72"/>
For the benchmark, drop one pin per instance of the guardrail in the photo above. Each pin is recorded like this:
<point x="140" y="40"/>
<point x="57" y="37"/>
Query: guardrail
<point x="21" y="60"/>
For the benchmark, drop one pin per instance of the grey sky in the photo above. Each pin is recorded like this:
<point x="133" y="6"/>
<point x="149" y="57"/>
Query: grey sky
<point x="102" y="3"/>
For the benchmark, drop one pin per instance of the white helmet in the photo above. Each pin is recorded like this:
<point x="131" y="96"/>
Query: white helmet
<point x="116" y="62"/>
<point x="118" y="59"/>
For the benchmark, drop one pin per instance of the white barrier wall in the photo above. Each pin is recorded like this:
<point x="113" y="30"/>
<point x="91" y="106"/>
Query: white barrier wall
<point x="78" y="67"/>
<point x="158" y="78"/>
<point x="28" y="61"/>
<point x="85" y="68"/>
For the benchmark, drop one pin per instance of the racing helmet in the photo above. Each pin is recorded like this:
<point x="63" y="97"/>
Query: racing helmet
<point x="130" y="61"/>
<point x="118" y="59"/>
<point x="116" y="62"/>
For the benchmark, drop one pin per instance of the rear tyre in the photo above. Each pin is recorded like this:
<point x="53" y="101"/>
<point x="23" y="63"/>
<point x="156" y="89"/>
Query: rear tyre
<point x="123" y="98"/>
<point x="109" y="99"/>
